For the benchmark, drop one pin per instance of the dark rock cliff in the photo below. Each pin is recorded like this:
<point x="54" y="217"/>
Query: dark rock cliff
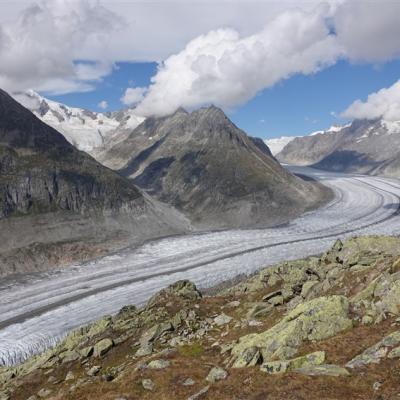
<point x="40" y="171"/>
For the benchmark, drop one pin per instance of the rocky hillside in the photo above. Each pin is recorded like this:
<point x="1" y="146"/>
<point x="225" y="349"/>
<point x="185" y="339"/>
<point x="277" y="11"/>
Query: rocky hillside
<point x="86" y="130"/>
<point x="51" y="192"/>
<point x="206" y="167"/>
<point x="325" y="327"/>
<point x="368" y="147"/>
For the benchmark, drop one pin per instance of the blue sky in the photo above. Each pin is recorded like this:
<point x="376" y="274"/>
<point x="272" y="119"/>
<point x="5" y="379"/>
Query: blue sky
<point x="296" y="106"/>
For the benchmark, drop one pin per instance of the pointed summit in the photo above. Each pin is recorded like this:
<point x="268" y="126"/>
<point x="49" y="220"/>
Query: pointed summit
<point x="180" y="110"/>
<point x="212" y="111"/>
<point x="208" y="168"/>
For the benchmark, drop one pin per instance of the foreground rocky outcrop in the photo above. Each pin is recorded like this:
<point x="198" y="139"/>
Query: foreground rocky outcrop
<point x="325" y="327"/>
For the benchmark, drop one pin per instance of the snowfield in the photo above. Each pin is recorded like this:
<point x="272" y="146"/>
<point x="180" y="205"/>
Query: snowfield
<point x="36" y="313"/>
<point x="276" y="145"/>
<point x="85" y="129"/>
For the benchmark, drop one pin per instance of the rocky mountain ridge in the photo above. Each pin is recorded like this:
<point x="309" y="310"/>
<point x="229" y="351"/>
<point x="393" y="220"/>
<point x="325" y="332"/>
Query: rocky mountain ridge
<point x="209" y="169"/>
<point x="216" y="180"/>
<point x="323" y="327"/>
<point x="277" y="144"/>
<point x="364" y="146"/>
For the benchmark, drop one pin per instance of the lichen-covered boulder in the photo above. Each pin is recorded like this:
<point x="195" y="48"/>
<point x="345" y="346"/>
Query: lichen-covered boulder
<point x="148" y="384"/>
<point x="375" y="353"/>
<point x="249" y="358"/>
<point x="395" y="353"/>
<point x="216" y="374"/>
<point x="308" y="288"/>
<point x="380" y="297"/>
<point x="390" y="300"/>
<point x="102" y="347"/>
<point x="158" y="364"/>
<point x="86" y="351"/>
<point x="316" y="319"/>
<point x="365" y="246"/>
<point x="183" y="289"/>
<point x="323" y="370"/>
<point x="222" y="319"/>
<point x="281" y="366"/>
<point x="69" y="356"/>
<point x="155" y="332"/>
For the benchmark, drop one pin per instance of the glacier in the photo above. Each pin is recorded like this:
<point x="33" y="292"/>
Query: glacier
<point x="40" y="310"/>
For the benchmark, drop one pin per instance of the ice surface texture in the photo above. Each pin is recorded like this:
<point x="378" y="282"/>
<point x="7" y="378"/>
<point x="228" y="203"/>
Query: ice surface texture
<point x="34" y="314"/>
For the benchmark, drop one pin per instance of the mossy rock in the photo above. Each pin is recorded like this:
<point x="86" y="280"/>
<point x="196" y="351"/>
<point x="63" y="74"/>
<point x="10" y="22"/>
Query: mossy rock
<point x="276" y="367"/>
<point x="183" y="289"/>
<point x="323" y="370"/>
<point x="316" y="319"/>
<point x="102" y="347"/>
<point x="375" y="353"/>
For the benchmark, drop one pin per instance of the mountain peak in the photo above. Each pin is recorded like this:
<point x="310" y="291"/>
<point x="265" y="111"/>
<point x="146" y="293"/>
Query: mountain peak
<point x="212" y="112"/>
<point x="213" y="109"/>
<point x="86" y="130"/>
<point x="180" y="110"/>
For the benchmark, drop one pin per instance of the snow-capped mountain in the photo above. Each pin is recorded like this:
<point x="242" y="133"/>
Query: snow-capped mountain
<point x="331" y="130"/>
<point x="277" y="144"/>
<point x="364" y="146"/>
<point x="85" y="129"/>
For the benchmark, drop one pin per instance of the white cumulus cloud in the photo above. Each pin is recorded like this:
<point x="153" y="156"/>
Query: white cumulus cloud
<point x="133" y="95"/>
<point x="226" y="69"/>
<point x="382" y="104"/>
<point x="103" y="104"/>
<point x="39" y="49"/>
<point x="368" y="30"/>
<point x="217" y="57"/>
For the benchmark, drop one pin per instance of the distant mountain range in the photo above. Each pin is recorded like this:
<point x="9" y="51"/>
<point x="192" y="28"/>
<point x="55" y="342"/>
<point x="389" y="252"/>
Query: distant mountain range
<point x="86" y="130"/>
<point x="276" y="145"/>
<point x="199" y="162"/>
<point x="364" y="146"/>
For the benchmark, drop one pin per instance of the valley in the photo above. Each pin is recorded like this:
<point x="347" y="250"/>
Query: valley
<point x="36" y="312"/>
<point x="199" y="200"/>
